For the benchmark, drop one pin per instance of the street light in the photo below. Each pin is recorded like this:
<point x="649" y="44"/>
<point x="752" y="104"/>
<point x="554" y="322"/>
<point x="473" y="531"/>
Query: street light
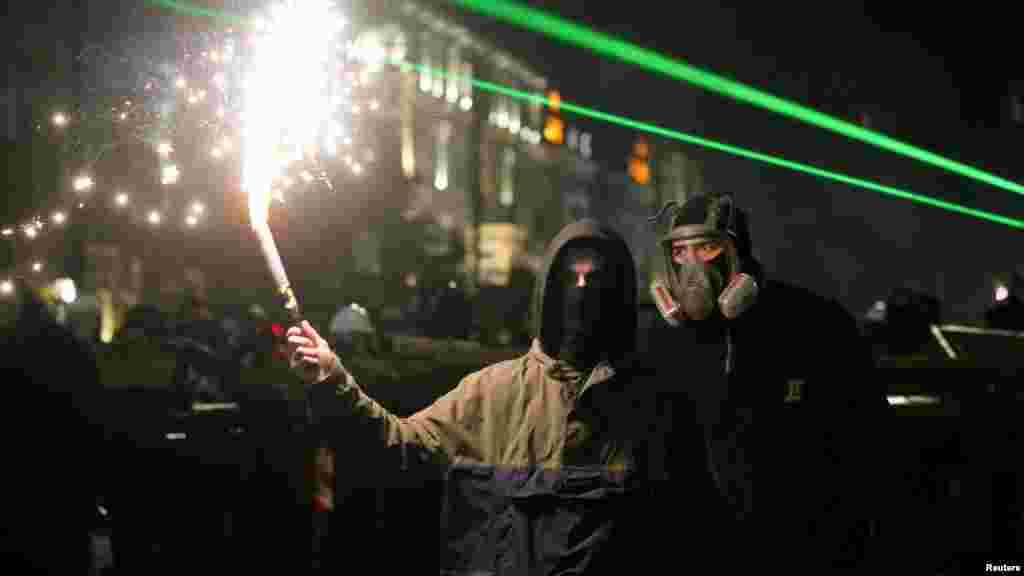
<point x="60" y="120"/>
<point x="1002" y="293"/>
<point x="83" y="183"/>
<point x="170" y="174"/>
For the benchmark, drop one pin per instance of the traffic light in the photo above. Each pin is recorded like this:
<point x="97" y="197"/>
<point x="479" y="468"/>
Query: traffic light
<point x="640" y="162"/>
<point x="554" y="130"/>
<point x="554" y="127"/>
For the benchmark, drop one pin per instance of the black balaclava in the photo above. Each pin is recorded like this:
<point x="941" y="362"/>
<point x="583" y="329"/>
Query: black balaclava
<point x="584" y="328"/>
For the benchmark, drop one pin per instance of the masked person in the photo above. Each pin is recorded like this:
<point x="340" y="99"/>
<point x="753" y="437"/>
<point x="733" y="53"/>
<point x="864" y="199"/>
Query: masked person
<point x="775" y="382"/>
<point x="544" y="471"/>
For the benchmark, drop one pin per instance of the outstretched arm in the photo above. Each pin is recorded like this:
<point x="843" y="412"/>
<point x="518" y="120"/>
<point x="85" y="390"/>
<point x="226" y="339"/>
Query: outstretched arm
<point x="335" y="395"/>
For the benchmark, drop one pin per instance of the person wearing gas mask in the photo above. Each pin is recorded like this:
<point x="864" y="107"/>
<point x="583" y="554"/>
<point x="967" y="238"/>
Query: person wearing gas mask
<point x="545" y="470"/>
<point x="769" y="393"/>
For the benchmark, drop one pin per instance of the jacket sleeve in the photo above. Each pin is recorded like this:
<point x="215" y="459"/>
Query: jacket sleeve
<point x="438" y="432"/>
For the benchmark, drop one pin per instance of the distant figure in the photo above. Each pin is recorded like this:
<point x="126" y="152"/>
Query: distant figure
<point x="352" y="330"/>
<point x="53" y="452"/>
<point x="204" y="367"/>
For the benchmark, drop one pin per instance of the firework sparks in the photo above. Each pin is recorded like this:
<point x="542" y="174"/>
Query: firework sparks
<point x="287" y="109"/>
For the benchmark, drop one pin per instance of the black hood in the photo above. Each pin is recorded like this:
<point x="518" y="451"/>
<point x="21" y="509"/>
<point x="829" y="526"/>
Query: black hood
<point x="547" y="308"/>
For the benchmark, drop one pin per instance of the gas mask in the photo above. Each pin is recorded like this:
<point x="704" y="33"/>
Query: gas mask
<point x="710" y="281"/>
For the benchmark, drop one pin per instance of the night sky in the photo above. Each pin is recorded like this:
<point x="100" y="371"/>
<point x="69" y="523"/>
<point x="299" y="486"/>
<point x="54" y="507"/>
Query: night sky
<point x="936" y="79"/>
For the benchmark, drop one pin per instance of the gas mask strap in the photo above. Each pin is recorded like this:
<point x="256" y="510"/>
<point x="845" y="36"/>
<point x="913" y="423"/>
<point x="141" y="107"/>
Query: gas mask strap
<point x="730" y="352"/>
<point x="665" y="208"/>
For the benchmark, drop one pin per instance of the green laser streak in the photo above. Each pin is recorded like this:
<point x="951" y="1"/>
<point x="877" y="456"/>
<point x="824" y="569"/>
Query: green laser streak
<point x="194" y="10"/>
<point x="683" y="137"/>
<point x="605" y="45"/>
<point x="734" y="150"/>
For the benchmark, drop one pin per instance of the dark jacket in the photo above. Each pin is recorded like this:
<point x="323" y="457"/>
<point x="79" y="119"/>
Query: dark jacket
<point x="53" y="449"/>
<point x="543" y="466"/>
<point x="779" y="453"/>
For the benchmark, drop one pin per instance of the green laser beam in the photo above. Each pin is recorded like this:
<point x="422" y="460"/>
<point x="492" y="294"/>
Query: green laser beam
<point x="193" y="10"/>
<point x="676" y="135"/>
<point x="730" y="149"/>
<point x="605" y="45"/>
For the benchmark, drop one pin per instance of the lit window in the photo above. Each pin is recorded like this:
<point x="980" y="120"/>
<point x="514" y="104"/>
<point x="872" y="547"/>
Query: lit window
<point x="452" y="82"/>
<point x="467" y="86"/>
<point x="502" y="118"/>
<point x="514" y="117"/>
<point x="437" y="56"/>
<point x="585" y="147"/>
<point x="507" y="195"/>
<point x="441" y="155"/>
<point x="426" y="62"/>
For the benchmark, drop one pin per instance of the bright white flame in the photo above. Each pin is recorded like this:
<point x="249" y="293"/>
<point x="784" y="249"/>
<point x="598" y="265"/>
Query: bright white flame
<point x="66" y="290"/>
<point x="290" y="64"/>
<point x="37" y="266"/>
<point x="170" y="174"/>
<point x="374" y="105"/>
<point x="31" y="232"/>
<point x="164" y="148"/>
<point x="1002" y="293"/>
<point x="181" y="83"/>
<point x="198" y="208"/>
<point x="306" y="176"/>
<point x="6" y="287"/>
<point x="121" y="199"/>
<point x="154" y="217"/>
<point x="59" y="217"/>
<point x="59" y="119"/>
<point x="7" y="231"/>
<point x="83" y="183"/>
<point x="216" y="153"/>
<point x="191" y="221"/>
<point x="357" y="168"/>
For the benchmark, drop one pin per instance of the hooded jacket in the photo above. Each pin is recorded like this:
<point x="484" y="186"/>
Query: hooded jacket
<point x="769" y="435"/>
<point x="543" y="464"/>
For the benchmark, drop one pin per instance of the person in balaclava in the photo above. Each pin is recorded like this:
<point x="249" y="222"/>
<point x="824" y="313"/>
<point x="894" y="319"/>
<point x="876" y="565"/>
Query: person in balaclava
<point x="542" y="454"/>
<point x="774" y="380"/>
